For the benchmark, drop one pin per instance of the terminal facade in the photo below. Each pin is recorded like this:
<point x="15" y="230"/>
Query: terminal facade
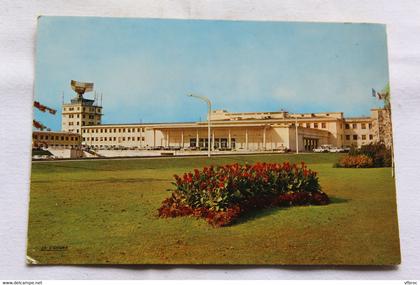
<point x="251" y="131"/>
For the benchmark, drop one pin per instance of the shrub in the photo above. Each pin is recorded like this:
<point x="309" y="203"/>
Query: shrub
<point x="355" y="161"/>
<point x="221" y="194"/>
<point x="380" y="155"/>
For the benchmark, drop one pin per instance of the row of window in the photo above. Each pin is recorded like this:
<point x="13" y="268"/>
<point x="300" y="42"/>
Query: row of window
<point x="114" y="139"/>
<point x="83" y="116"/>
<point x="355" y="126"/>
<point x="91" y="109"/>
<point x="113" y="130"/>
<point x="355" y="137"/>
<point x="315" y="125"/>
<point x="51" y="137"/>
<point x="90" y="123"/>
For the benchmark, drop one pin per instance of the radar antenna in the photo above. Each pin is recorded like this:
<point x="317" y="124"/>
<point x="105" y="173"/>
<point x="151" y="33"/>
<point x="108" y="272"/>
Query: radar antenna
<point x="81" y="87"/>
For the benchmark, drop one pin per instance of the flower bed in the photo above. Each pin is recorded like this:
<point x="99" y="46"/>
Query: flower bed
<point x="222" y="194"/>
<point x="355" y="161"/>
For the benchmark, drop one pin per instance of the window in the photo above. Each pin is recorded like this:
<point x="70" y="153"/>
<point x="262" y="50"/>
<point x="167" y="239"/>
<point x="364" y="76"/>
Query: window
<point x="106" y="130"/>
<point x="370" y="125"/>
<point x="67" y="138"/>
<point x="371" y="137"/>
<point x="128" y="138"/>
<point x="128" y="130"/>
<point x="347" y="126"/>
<point x="77" y="123"/>
<point x="354" y="126"/>
<point x="308" y="125"/>
<point x="46" y="137"/>
<point x="119" y="130"/>
<point x="355" y="137"/>
<point x="315" y="125"/>
<point x="105" y="139"/>
<point x="363" y="137"/>
<point x="35" y="137"/>
<point x="363" y="126"/>
<point x="324" y="125"/>
<point x="123" y="139"/>
<point x="138" y="138"/>
<point x="62" y="138"/>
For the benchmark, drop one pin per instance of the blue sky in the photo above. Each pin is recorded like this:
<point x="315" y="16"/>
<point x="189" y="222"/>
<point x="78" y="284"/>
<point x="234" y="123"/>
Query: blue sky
<point x="146" y="67"/>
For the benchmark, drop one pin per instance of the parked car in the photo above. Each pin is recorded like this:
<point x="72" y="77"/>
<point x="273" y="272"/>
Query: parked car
<point x="323" y="148"/>
<point x="337" y="149"/>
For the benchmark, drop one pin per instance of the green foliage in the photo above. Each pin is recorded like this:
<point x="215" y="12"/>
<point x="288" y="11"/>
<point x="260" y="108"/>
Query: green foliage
<point x="240" y="187"/>
<point x="381" y="155"/>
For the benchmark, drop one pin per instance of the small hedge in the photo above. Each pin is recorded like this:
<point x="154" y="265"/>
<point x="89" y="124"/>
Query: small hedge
<point x="371" y="155"/>
<point x="222" y="194"/>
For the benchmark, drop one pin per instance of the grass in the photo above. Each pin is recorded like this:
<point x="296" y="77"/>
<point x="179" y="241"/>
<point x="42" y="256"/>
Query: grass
<point x="105" y="212"/>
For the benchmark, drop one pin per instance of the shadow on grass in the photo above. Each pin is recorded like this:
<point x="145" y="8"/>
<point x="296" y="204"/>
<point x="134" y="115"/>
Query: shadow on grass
<point x="338" y="200"/>
<point x="260" y="213"/>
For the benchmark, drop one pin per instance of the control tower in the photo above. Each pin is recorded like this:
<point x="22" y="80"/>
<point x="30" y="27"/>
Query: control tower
<point x="80" y="111"/>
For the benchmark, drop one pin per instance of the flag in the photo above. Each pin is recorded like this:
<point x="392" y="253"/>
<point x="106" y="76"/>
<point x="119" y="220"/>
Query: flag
<point x="374" y="92"/>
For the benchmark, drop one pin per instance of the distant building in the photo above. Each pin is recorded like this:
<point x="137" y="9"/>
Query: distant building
<point x="44" y="139"/>
<point x="256" y="131"/>
<point x="250" y="131"/>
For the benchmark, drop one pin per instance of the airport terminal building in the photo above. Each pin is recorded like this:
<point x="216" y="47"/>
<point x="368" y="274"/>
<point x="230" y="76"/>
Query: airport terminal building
<point x="251" y="131"/>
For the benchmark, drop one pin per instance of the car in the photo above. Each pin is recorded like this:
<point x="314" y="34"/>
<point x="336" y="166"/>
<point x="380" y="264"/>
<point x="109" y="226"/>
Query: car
<point x="322" y="148"/>
<point x="336" y="149"/>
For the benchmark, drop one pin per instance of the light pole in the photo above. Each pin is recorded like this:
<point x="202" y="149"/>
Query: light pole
<point x="297" y="136"/>
<point x="205" y="99"/>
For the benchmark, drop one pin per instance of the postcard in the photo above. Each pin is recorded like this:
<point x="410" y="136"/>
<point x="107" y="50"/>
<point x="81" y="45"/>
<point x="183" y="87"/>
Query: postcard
<point x="162" y="141"/>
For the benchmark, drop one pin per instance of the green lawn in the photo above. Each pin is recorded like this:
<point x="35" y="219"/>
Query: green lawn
<point x="105" y="212"/>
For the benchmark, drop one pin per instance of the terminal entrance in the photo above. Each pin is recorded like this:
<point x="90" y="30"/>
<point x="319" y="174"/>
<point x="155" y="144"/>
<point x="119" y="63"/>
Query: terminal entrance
<point x="310" y="143"/>
<point x="219" y="143"/>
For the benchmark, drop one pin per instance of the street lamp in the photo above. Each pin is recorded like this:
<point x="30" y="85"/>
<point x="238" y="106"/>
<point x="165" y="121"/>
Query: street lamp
<point x="297" y="135"/>
<point x="205" y="99"/>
